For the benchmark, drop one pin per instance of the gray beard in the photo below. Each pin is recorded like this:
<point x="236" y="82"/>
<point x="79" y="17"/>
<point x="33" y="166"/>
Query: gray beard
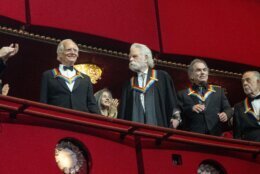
<point x="137" y="67"/>
<point x="134" y="67"/>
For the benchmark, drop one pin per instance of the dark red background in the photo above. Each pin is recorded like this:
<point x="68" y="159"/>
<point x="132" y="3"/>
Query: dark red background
<point x="219" y="29"/>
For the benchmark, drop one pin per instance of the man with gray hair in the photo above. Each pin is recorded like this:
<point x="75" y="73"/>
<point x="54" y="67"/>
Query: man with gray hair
<point x="149" y="97"/>
<point x="204" y="107"/>
<point x="65" y="86"/>
<point x="246" y="122"/>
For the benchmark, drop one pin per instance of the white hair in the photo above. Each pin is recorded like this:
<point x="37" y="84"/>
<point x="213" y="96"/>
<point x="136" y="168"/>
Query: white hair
<point x="191" y="68"/>
<point x="146" y="52"/>
<point x="60" y="47"/>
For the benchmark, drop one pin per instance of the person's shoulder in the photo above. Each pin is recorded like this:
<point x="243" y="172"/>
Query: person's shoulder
<point x="49" y="71"/>
<point x="161" y="72"/>
<point x="239" y="104"/>
<point x="182" y="91"/>
<point x="84" y="76"/>
<point x="185" y="90"/>
<point x="127" y="83"/>
<point x="215" y="86"/>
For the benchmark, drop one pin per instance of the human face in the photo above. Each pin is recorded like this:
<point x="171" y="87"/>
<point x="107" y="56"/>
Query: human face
<point x="70" y="53"/>
<point x="138" y="61"/>
<point x="200" y="73"/>
<point x="105" y="100"/>
<point x="251" y="84"/>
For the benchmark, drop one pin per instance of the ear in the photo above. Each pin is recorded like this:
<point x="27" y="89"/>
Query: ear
<point x="146" y="58"/>
<point x="191" y="78"/>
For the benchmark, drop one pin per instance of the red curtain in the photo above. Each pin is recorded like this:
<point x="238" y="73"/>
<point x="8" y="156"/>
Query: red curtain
<point x="220" y="29"/>
<point x="223" y="29"/>
<point x="124" y="20"/>
<point x="13" y="9"/>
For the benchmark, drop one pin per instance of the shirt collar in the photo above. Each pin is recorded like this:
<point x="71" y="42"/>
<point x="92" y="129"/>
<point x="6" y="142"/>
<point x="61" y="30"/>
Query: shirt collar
<point x="145" y="72"/>
<point x="197" y="87"/>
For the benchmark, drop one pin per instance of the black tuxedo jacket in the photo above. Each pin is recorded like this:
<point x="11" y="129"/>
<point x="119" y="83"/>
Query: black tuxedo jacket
<point x="54" y="91"/>
<point x="2" y="67"/>
<point x="246" y="126"/>
<point x="208" y="121"/>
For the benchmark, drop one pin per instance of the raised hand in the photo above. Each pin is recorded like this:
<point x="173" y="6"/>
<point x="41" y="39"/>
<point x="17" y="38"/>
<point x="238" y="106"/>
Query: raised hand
<point x="7" y="52"/>
<point x="5" y="89"/>
<point x="113" y="108"/>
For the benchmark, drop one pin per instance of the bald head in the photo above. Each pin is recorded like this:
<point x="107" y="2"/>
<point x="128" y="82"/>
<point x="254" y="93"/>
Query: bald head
<point x="251" y="83"/>
<point x="67" y="52"/>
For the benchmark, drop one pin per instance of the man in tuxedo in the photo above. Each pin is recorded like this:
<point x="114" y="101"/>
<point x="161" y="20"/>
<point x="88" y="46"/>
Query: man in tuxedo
<point x="65" y="86"/>
<point x="5" y="53"/>
<point x="149" y="96"/>
<point x="204" y="107"/>
<point x="246" y="115"/>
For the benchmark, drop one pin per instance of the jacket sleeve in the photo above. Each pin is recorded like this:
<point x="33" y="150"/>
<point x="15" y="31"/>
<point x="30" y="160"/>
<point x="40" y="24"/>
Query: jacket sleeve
<point x="236" y="124"/>
<point x="171" y="97"/>
<point x="225" y="106"/>
<point x="91" y="101"/>
<point x="123" y="101"/>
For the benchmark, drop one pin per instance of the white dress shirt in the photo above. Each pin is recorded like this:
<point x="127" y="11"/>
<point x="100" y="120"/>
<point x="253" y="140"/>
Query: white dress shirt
<point x="142" y="78"/>
<point x="68" y="74"/>
<point x="256" y="106"/>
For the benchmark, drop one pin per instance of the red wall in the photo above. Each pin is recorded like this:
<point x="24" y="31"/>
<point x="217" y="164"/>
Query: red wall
<point x="29" y="132"/>
<point x="124" y="20"/>
<point x="13" y="9"/>
<point x="31" y="149"/>
<point x="219" y="29"/>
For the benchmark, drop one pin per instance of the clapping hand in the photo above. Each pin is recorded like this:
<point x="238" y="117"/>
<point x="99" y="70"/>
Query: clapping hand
<point x="7" y="52"/>
<point x="5" y="89"/>
<point x="113" y="108"/>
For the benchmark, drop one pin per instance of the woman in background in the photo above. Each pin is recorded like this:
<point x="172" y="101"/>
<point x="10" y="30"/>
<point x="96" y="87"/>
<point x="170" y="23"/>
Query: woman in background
<point x="106" y="103"/>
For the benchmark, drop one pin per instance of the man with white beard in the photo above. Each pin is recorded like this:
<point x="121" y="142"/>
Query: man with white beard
<point x="149" y="96"/>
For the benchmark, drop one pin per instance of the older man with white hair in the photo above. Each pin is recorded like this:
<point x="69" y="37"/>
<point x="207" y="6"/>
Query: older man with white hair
<point x="65" y="86"/>
<point x="247" y="113"/>
<point x="149" y="96"/>
<point x="205" y="108"/>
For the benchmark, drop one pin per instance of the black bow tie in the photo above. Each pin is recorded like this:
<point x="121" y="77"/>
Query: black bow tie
<point x="68" y="68"/>
<point x="199" y="87"/>
<point x="254" y="98"/>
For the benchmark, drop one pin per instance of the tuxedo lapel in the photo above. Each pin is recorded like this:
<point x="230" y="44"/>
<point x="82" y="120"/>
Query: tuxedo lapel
<point x="194" y="96"/>
<point x="195" y="99"/>
<point x="209" y="99"/>
<point x="63" y="84"/>
<point x="149" y="75"/>
<point x="76" y="84"/>
<point x="249" y="118"/>
<point x="248" y="111"/>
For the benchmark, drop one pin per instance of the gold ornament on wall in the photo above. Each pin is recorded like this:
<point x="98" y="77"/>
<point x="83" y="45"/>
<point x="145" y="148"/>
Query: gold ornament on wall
<point x="93" y="71"/>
